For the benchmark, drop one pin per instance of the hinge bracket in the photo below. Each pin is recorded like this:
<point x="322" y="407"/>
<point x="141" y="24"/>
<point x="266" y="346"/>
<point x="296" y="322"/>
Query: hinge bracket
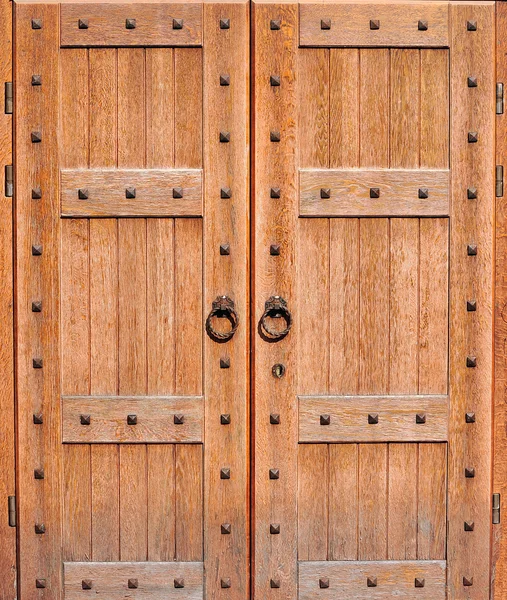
<point x="8" y="98"/>
<point x="499" y="98"/>
<point x="496" y="509"/>
<point x="499" y="181"/>
<point x="9" y="181"/>
<point x="12" y="511"/>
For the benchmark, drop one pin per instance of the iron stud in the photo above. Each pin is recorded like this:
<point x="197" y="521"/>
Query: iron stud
<point x="471" y="362"/>
<point x="225" y="80"/>
<point x="420" y="418"/>
<point x="374" y="24"/>
<point x="131" y="419"/>
<point x="274" y="528"/>
<point x="36" y="137"/>
<point x="225" y="473"/>
<point x="373" y="419"/>
<point x="37" y="250"/>
<point x="371" y="582"/>
<point x="36" y="193"/>
<point x="422" y="25"/>
<point x="40" y="528"/>
<point x="225" y="192"/>
<point x="225" y="23"/>
<point x="274" y="80"/>
<point x="225" y="528"/>
<point x="473" y="136"/>
<point x="133" y="584"/>
<point x="225" y="419"/>
<point x="423" y="193"/>
<point x="37" y="419"/>
<point x="40" y="584"/>
<point x="130" y="192"/>
<point x="37" y="306"/>
<point x="419" y="582"/>
<point x="274" y="419"/>
<point x="472" y="193"/>
<point x="469" y="525"/>
<point x="471" y="25"/>
<point x="36" y="79"/>
<point x="470" y="417"/>
<point x="325" y="24"/>
<point x="275" y="192"/>
<point x="225" y="363"/>
<point x="37" y="363"/>
<point x="179" y="419"/>
<point x="86" y="584"/>
<point x="274" y="583"/>
<point x="374" y="192"/>
<point x="177" y="23"/>
<point x="274" y="249"/>
<point x="225" y="137"/>
<point x="472" y="249"/>
<point x="324" y="583"/>
<point x="468" y="581"/>
<point x="177" y="192"/>
<point x="274" y="136"/>
<point x="274" y="473"/>
<point x="472" y="81"/>
<point x="325" y="419"/>
<point x="38" y="473"/>
<point x="275" y="24"/>
<point x="225" y="582"/>
<point x="325" y="192"/>
<point x="85" y="419"/>
<point x="225" y="249"/>
<point x="471" y="305"/>
<point x="179" y="583"/>
<point x="469" y="472"/>
<point x="36" y="23"/>
<point x="130" y="24"/>
<point x="82" y="194"/>
<point x="82" y="23"/>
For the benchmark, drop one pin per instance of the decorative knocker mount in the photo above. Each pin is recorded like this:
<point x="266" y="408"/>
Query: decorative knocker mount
<point x="222" y="308"/>
<point x="275" y="307"/>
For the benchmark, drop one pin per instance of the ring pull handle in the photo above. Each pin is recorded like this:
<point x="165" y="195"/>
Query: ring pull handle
<point x="222" y="308"/>
<point x="275" y="308"/>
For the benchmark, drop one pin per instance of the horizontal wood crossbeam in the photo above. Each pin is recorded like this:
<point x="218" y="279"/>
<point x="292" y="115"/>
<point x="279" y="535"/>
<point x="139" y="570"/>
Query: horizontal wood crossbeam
<point x="132" y="419"/>
<point x="374" y="193"/>
<point x="373" y="580"/>
<point x="421" y="25"/>
<point x="131" y="193"/>
<point x="119" y="580"/>
<point x="171" y="24"/>
<point x="373" y="418"/>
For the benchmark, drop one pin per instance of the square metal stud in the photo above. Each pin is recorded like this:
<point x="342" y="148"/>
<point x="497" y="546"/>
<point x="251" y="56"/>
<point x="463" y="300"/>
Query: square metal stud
<point x="37" y="363"/>
<point x="374" y="192"/>
<point x="177" y="192"/>
<point x="373" y="419"/>
<point x="325" y="419"/>
<point x="275" y="192"/>
<point x="471" y="25"/>
<point x="274" y="528"/>
<point x="471" y="362"/>
<point x="371" y="582"/>
<point x="275" y="24"/>
<point x="274" y="473"/>
<point x="38" y="474"/>
<point x="468" y="525"/>
<point x="82" y="193"/>
<point x="472" y="249"/>
<point x="130" y="192"/>
<point x="177" y="23"/>
<point x="325" y="24"/>
<point x="225" y="23"/>
<point x="274" y="80"/>
<point x="85" y="419"/>
<point x="324" y="583"/>
<point x="422" y="25"/>
<point x="225" y="193"/>
<point x="468" y="581"/>
<point x="225" y="528"/>
<point x="420" y="418"/>
<point x="469" y="472"/>
<point x="225" y="80"/>
<point x="83" y="23"/>
<point x="374" y="24"/>
<point x="133" y="584"/>
<point x="131" y="419"/>
<point x="179" y="583"/>
<point x="37" y="306"/>
<point x="36" y="249"/>
<point x="225" y="583"/>
<point x="325" y="192"/>
<point x="274" y="419"/>
<point x="36" y="79"/>
<point x="36" y="193"/>
<point x="473" y="136"/>
<point x="469" y="417"/>
<point x="40" y="528"/>
<point x="472" y="81"/>
<point x="38" y="419"/>
<point x="36" y="137"/>
<point x="179" y="419"/>
<point x="274" y="583"/>
<point x="225" y="473"/>
<point x="471" y="305"/>
<point x="225" y="362"/>
<point x="419" y="582"/>
<point x="274" y="136"/>
<point x="225" y="137"/>
<point x="40" y="584"/>
<point x="86" y="584"/>
<point x="225" y="419"/>
<point x="36" y="23"/>
<point x="274" y="249"/>
<point x="130" y="24"/>
<point x="423" y="193"/>
<point x="225" y="249"/>
<point x="472" y="193"/>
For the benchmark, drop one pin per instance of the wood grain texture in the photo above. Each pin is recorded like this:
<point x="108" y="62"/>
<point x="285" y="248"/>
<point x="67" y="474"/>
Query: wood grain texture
<point x="396" y="418"/>
<point x="153" y="27"/>
<point x="471" y="333"/>
<point x="39" y="501"/>
<point x="155" y="419"/>
<point x="154" y="579"/>
<point x="350" y="193"/>
<point x="394" y="578"/>
<point x="154" y="193"/>
<point x="350" y="24"/>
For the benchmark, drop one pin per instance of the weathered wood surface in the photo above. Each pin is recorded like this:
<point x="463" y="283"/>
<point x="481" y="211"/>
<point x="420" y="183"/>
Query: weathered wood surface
<point x="154" y="24"/>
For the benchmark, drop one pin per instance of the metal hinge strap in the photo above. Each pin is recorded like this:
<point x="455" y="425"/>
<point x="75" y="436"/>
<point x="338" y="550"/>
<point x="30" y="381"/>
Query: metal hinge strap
<point x="499" y="181"/>
<point x="499" y="98"/>
<point x="8" y="98"/>
<point x="12" y="511"/>
<point x="496" y="509"/>
<point x="9" y="181"/>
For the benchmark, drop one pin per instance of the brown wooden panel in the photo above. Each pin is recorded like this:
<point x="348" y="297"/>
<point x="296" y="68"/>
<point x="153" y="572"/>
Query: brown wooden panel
<point x="156" y="193"/>
<point x="349" y="418"/>
<point x="77" y="503"/>
<point x="398" y="24"/>
<point x="110" y="581"/>
<point x="189" y="502"/>
<point x="158" y="419"/>
<point x="350" y="193"/>
<point x="393" y="578"/>
<point x="106" y="24"/>
<point x="133" y="481"/>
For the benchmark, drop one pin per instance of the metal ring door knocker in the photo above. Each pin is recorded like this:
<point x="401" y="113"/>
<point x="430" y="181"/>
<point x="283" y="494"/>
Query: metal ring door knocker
<point x="275" y="308"/>
<point x="222" y="308"/>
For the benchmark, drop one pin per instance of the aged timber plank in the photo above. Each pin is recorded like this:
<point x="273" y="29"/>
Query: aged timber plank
<point x="145" y="24"/>
<point x="132" y="419"/>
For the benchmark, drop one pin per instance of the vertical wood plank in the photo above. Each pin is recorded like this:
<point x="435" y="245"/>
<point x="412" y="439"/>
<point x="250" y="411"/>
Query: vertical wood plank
<point x="471" y="333"/>
<point x="38" y="223"/>
<point x="131" y="107"/>
<point x="105" y="502"/>
<point x="189" y="503"/>
<point x="313" y="491"/>
<point x="343" y="107"/>
<point x="431" y="505"/>
<point x="161" y="503"/>
<point x="225" y="108"/>
<point x="77" y="502"/>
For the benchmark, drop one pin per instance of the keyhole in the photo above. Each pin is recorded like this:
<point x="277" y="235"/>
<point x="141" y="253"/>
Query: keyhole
<point x="278" y="371"/>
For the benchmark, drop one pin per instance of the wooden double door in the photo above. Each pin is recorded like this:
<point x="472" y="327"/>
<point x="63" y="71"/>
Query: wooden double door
<point x="254" y="299"/>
